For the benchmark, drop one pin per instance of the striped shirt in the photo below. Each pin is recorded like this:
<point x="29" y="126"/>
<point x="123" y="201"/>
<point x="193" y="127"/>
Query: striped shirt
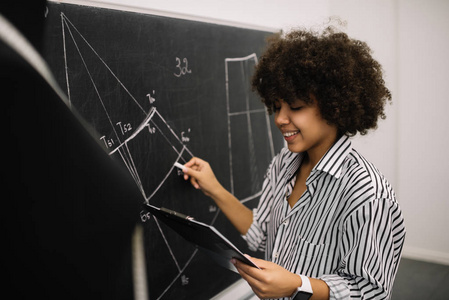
<point x="346" y="229"/>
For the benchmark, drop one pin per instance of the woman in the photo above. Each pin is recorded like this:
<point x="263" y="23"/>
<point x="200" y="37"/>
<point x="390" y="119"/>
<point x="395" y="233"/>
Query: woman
<point x="328" y="220"/>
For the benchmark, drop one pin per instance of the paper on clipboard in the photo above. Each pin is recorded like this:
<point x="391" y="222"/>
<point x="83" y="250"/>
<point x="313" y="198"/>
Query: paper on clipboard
<point x="205" y="237"/>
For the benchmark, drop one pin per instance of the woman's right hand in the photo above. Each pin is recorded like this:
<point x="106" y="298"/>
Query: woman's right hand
<point x="201" y="176"/>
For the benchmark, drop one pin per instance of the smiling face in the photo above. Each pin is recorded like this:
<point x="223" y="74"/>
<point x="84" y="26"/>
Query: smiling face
<point x="304" y="129"/>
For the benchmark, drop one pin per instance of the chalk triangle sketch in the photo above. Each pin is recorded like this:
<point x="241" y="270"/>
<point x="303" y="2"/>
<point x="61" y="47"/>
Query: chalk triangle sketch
<point x="122" y="138"/>
<point x="118" y="135"/>
<point x="128" y="129"/>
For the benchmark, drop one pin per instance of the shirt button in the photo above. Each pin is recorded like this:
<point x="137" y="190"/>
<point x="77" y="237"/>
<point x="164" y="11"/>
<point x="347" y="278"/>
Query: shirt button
<point x="276" y="255"/>
<point x="285" y="222"/>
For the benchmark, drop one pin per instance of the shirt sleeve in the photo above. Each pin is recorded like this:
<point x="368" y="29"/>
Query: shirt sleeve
<point x="256" y="236"/>
<point x="371" y="248"/>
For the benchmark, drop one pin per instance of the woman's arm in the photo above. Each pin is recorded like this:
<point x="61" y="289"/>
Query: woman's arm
<point x="202" y="177"/>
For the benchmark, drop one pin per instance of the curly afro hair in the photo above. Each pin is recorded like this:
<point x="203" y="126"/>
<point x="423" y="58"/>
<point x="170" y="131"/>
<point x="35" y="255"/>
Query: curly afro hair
<point x="339" y="72"/>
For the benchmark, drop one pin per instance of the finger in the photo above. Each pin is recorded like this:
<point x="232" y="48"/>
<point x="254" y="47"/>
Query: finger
<point x="192" y="162"/>
<point x="240" y="268"/>
<point x="258" y="262"/>
<point x="194" y="182"/>
<point x="253" y="282"/>
<point x="191" y="171"/>
<point x="247" y="269"/>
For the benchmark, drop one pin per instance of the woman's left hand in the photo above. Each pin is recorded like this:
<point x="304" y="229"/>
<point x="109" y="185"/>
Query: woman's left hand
<point x="272" y="281"/>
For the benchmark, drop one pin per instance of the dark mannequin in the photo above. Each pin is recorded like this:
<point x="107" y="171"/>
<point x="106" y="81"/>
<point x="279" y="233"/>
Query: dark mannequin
<point x="68" y="210"/>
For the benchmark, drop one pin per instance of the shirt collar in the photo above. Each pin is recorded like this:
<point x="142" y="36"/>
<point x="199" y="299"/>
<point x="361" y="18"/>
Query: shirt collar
<point x="332" y="160"/>
<point x="293" y="161"/>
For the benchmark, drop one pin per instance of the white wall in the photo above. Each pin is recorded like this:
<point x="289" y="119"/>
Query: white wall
<point x="375" y="23"/>
<point x="267" y="13"/>
<point x="409" y="38"/>
<point x="423" y="67"/>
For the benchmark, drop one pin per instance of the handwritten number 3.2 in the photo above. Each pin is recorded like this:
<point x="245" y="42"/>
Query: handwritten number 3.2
<point x="182" y="67"/>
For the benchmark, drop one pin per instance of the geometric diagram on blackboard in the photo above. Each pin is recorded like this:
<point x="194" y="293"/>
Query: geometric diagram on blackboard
<point x="124" y="128"/>
<point x="126" y="138"/>
<point x="153" y="129"/>
<point x="244" y="110"/>
<point x="128" y="129"/>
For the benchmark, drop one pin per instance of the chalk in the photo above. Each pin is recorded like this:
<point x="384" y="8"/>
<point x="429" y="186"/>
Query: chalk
<point x="178" y="165"/>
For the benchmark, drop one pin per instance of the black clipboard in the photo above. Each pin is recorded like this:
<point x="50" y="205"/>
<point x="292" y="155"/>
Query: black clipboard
<point x="205" y="237"/>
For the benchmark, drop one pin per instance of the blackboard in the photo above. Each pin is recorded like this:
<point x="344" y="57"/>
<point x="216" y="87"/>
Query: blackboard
<point x="159" y="90"/>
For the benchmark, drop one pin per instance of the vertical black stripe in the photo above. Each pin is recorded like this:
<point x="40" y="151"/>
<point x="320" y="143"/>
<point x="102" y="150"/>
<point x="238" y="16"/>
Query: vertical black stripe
<point x="346" y="229"/>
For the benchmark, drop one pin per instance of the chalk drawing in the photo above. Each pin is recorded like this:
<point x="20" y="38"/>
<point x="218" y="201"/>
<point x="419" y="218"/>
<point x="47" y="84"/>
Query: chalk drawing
<point x="240" y="103"/>
<point x="151" y="126"/>
<point x="122" y="135"/>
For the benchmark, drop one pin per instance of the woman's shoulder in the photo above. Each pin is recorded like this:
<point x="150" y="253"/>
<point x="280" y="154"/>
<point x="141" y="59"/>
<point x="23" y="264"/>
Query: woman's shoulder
<point x="362" y="172"/>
